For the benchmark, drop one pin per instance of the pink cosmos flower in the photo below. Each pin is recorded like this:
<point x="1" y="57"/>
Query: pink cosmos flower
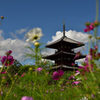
<point x="3" y="72"/>
<point x="87" y="68"/>
<point x="16" y="74"/>
<point x="60" y="72"/>
<point x="68" y="82"/>
<point x="1" y="93"/>
<point x="77" y="55"/>
<point x="97" y="56"/>
<point x="89" y="27"/>
<point x="56" y="75"/>
<point x="96" y="47"/>
<point x="71" y="77"/>
<point x="85" y="30"/>
<point x="3" y="77"/>
<point x="79" y="43"/>
<point x="77" y="72"/>
<point x="92" y="52"/>
<point x="8" y="52"/>
<point x="76" y="82"/>
<point x="7" y="82"/>
<point x="72" y="64"/>
<point x="26" y="98"/>
<point x="88" y="57"/>
<point x="47" y="72"/>
<point x="22" y="74"/>
<point x="9" y="61"/>
<point x="38" y="69"/>
<point x="61" y="89"/>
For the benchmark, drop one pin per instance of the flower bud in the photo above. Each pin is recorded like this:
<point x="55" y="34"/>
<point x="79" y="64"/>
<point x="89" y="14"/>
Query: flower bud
<point x="90" y="36"/>
<point x="36" y="44"/>
<point x="96" y="23"/>
<point x="98" y="38"/>
<point x="87" y="23"/>
<point x="30" y="68"/>
<point x="4" y="77"/>
<point x="8" y="52"/>
<point x="2" y="17"/>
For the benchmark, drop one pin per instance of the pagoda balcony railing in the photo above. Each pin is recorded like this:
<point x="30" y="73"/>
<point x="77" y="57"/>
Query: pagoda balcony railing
<point x="76" y="65"/>
<point x="64" y="50"/>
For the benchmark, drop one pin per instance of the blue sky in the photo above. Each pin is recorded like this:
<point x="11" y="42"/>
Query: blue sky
<point x="20" y="16"/>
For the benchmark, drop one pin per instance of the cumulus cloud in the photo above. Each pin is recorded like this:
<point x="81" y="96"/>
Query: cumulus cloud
<point x="21" y="31"/>
<point x="13" y="35"/>
<point x="18" y="32"/>
<point x="16" y="45"/>
<point x="1" y="37"/>
<point x="78" y="36"/>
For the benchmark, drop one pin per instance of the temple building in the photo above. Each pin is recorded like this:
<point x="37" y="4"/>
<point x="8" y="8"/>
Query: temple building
<point x="64" y="56"/>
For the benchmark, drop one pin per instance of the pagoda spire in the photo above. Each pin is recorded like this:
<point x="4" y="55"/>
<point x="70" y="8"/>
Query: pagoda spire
<point x="63" y="27"/>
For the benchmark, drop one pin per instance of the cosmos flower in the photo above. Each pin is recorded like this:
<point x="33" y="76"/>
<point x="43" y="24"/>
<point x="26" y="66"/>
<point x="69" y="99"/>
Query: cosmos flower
<point x="1" y="93"/>
<point x="9" y="61"/>
<point x="38" y="69"/>
<point x="76" y="82"/>
<point x="22" y="74"/>
<point x="96" y="47"/>
<point x="71" y="77"/>
<point x="73" y="64"/>
<point x="77" y="72"/>
<point x="3" y="72"/>
<point x="56" y="75"/>
<point x="88" y="57"/>
<point x="89" y="27"/>
<point x="86" y="68"/>
<point x="77" y="55"/>
<point x="8" y="52"/>
<point x="34" y="35"/>
<point x="26" y="98"/>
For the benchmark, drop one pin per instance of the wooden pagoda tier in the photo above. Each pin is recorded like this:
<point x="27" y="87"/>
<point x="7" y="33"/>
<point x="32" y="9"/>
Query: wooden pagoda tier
<point x="64" y="56"/>
<point x="64" y="43"/>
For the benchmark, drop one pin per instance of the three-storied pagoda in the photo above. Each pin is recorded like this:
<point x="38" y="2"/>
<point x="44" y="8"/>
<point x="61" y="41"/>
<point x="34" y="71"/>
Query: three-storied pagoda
<point x="64" y="56"/>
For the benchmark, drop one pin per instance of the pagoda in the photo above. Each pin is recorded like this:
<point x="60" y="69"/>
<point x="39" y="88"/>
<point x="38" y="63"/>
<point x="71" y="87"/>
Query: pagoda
<point x="64" y="56"/>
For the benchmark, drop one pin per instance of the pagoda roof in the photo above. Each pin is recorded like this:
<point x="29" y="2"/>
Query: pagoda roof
<point x="53" y="56"/>
<point x="61" y="66"/>
<point x="65" y="39"/>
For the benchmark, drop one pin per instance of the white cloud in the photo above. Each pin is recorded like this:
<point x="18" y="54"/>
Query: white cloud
<point x="80" y="60"/>
<point x="17" y="32"/>
<point x="78" y="36"/>
<point x="13" y="35"/>
<point x="0" y="65"/>
<point x="21" y="31"/>
<point x="1" y="37"/>
<point x="17" y="46"/>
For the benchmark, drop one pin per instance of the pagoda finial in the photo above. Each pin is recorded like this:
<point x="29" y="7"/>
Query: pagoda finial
<point x="63" y="27"/>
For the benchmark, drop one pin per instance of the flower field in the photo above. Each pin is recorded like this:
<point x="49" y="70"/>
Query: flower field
<point x="33" y="82"/>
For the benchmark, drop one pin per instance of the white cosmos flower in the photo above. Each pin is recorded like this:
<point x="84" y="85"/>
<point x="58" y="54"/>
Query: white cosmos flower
<point x="34" y="35"/>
